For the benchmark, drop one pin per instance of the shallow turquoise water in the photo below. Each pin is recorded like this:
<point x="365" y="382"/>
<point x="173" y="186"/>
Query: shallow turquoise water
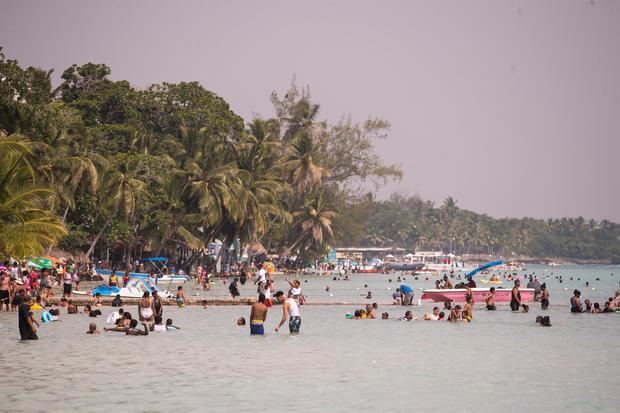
<point x="501" y="361"/>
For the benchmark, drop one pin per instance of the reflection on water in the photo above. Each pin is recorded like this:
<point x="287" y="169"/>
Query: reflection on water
<point x="501" y="361"/>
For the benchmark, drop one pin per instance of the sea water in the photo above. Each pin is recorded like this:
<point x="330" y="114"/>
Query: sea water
<point x="501" y="361"/>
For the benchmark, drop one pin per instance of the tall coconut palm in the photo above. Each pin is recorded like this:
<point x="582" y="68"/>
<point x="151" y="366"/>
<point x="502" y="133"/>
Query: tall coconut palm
<point x="117" y="191"/>
<point x="314" y="223"/>
<point x="302" y="165"/>
<point x="171" y="222"/>
<point x="27" y="221"/>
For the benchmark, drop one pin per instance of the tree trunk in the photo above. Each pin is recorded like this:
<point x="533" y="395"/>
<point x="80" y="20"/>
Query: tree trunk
<point x="93" y="244"/>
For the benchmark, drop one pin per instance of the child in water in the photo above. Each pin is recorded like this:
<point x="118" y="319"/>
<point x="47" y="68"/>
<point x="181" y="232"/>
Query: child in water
<point x="180" y="296"/>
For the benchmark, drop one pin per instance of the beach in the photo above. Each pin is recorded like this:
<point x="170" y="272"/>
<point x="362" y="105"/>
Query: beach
<point x="499" y="361"/>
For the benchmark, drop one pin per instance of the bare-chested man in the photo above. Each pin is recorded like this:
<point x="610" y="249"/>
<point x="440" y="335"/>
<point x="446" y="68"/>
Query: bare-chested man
<point x="258" y="315"/>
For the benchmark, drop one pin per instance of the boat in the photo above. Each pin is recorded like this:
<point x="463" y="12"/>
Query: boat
<point x="165" y="278"/>
<point x="397" y="266"/>
<point x="135" y="288"/>
<point x="479" y="294"/>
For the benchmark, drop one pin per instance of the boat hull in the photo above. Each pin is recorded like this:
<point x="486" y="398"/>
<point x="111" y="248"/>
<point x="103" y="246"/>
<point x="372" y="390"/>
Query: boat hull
<point x="479" y="294"/>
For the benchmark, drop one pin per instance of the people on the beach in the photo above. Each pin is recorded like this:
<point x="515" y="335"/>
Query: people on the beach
<point x="290" y="310"/>
<point x="258" y="316"/>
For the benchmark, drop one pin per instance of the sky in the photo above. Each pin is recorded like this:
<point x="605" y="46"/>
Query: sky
<point x="510" y="107"/>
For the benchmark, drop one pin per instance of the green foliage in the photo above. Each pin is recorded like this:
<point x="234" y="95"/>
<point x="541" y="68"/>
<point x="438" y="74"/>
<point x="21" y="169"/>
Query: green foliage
<point x="172" y="167"/>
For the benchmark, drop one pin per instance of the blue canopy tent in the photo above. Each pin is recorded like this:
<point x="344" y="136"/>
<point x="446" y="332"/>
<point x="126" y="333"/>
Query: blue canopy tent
<point x="484" y="267"/>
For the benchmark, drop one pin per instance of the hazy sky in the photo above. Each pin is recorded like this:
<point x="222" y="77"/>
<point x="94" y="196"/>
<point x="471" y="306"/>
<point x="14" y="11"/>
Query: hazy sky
<point x="511" y="107"/>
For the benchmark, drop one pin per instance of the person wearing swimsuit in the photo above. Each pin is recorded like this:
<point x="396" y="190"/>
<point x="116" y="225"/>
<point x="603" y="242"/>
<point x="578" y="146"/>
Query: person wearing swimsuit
<point x="146" y="309"/>
<point x="575" y="302"/>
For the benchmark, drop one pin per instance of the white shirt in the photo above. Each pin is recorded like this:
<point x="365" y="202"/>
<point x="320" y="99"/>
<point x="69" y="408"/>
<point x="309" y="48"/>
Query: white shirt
<point x="296" y="291"/>
<point x="262" y="275"/>
<point x="293" y="309"/>
<point x="160" y="328"/>
<point x="113" y="317"/>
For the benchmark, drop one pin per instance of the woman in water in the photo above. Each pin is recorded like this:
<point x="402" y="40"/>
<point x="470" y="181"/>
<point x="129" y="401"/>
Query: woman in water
<point x="268" y="292"/>
<point x="575" y="302"/>
<point x="468" y="311"/>
<point x="146" y="309"/>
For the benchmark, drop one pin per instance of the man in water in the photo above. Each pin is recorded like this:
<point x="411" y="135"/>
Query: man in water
<point x="258" y="315"/>
<point x="290" y="310"/>
<point x="515" y="300"/>
<point x="470" y="282"/>
<point x="406" y="294"/>
<point x="490" y="300"/>
<point x="27" y="329"/>
<point x="446" y="282"/>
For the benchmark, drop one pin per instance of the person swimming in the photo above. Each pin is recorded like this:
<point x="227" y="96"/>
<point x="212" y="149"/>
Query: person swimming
<point x="92" y="329"/>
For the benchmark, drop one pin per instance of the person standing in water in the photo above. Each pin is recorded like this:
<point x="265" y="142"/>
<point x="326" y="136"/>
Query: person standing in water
<point x="26" y="321"/>
<point x="544" y="296"/>
<point x="575" y="302"/>
<point x="146" y="309"/>
<point x="290" y="310"/>
<point x="258" y="316"/>
<point x="515" y="300"/>
<point x="490" y="300"/>
<point x="180" y="296"/>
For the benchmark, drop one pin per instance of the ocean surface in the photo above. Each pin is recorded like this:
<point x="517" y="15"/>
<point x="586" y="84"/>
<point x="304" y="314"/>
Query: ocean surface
<point x="499" y="362"/>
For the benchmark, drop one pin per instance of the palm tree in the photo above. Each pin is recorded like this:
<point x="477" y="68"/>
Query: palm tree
<point x="27" y="221"/>
<point x="314" y="223"/>
<point x="171" y="223"/>
<point x="301" y="164"/>
<point x="117" y="191"/>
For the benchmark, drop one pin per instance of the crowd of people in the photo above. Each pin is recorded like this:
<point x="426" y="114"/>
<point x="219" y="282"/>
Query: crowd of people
<point x="28" y="290"/>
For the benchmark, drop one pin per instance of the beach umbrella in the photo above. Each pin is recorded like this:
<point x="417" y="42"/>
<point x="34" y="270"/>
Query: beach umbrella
<point x="41" y="262"/>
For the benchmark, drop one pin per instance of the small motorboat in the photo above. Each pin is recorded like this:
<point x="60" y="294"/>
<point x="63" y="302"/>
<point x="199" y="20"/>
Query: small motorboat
<point x="479" y="294"/>
<point x="164" y="278"/>
<point x="135" y="288"/>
